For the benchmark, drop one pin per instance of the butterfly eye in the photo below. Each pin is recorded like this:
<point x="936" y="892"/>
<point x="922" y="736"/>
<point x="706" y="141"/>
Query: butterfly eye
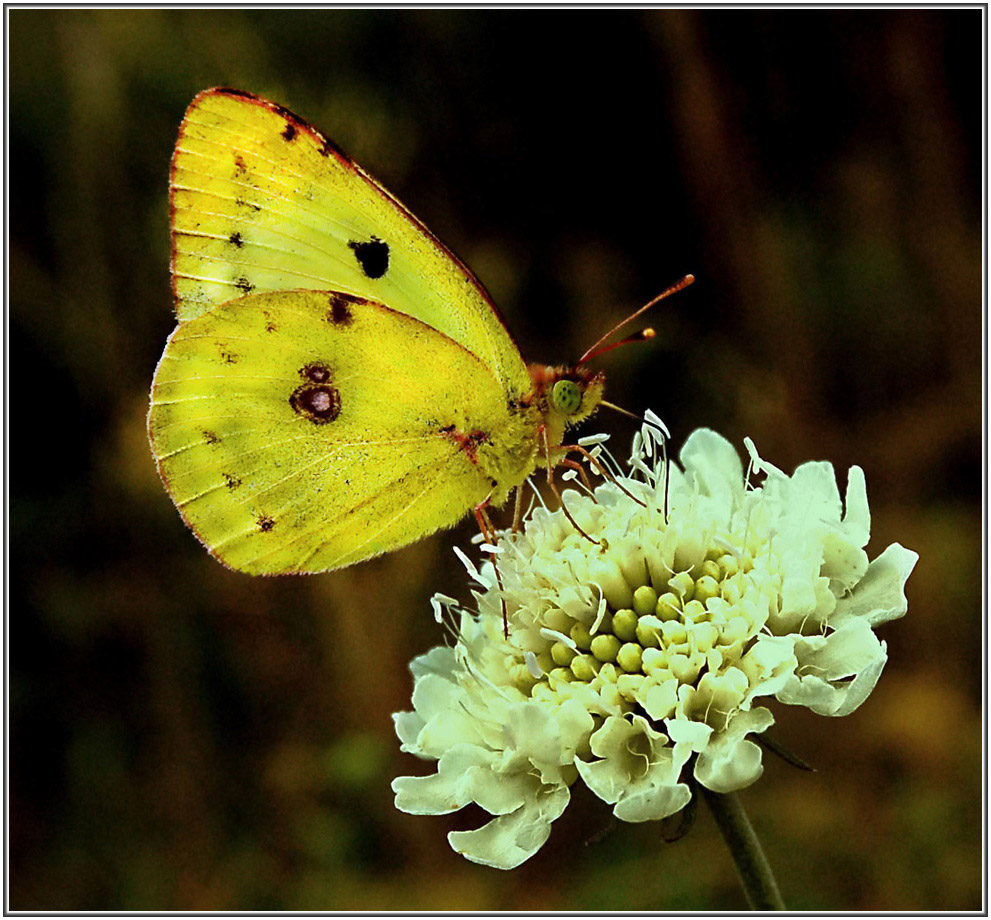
<point x="566" y="397"/>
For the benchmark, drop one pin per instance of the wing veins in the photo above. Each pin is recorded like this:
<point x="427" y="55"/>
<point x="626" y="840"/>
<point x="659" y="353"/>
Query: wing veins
<point x="330" y="455"/>
<point x="405" y="510"/>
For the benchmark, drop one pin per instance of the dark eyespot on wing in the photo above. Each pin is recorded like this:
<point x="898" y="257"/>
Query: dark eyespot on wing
<point x="230" y="357"/>
<point x="318" y="402"/>
<point x="236" y="240"/>
<point x="232" y="481"/>
<point x="289" y="132"/>
<point x="211" y="437"/>
<point x="372" y="256"/>
<point x="244" y="285"/>
<point x="315" y="372"/>
<point x="265" y="524"/>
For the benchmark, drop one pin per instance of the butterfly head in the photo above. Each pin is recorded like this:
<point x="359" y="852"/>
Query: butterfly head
<point x="566" y="395"/>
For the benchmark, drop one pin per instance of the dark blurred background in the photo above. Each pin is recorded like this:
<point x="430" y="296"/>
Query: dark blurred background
<point x="183" y="737"/>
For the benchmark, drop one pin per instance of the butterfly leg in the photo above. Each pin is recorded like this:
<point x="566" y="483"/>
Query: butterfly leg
<point x="557" y="492"/>
<point x="485" y="522"/>
<point x="488" y="535"/>
<point x="601" y="470"/>
<point x="575" y="465"/>
<point x="518" y="510"/>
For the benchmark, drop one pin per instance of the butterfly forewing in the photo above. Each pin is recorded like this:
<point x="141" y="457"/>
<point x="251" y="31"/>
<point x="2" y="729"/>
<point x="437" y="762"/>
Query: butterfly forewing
<point x="262" y="202"/>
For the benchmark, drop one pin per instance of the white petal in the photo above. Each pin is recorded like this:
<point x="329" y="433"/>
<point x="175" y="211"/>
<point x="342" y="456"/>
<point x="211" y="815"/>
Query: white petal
<point x="439" y="660"/>
<point x="575" y="724"/>
<point x="844" y="653"/>
<point x="858" y="512"/>
<point x="730" y="762"/>
<point x="769" y="665"/>
<point x="687" y="731"/>
<point x="880" y="595"/>
<point x="726" y="770"/>
<point x="835" y="699"/>
<point x="429" y="795"/>
<point x="511" y="839"/>
<point x="532" y="732"/>
<point x="434" y="695"/>
<point x="862" y="685"/>
<point x="447" y="729"/>
<point x="660" y="699"/>
<point x="814" y="692"/>
<point x="653" y="803"/>
<point x="714" y="464"/>
<point x="798" y="598"/>
<point x="844" y="563"/>
<point x="408" y="726"/>
<point x="606" y="778"/>
<point x="499" y="793"/>
<point x="814" y="491"/>
<point x="611" y="737"/>
<point x="460" y="758"/>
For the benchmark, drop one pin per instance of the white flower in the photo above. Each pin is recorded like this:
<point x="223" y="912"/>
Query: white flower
<point x="637" y="659"/>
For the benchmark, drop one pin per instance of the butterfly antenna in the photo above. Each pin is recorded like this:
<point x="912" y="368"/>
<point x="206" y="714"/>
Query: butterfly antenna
<point x="598" y="348"/>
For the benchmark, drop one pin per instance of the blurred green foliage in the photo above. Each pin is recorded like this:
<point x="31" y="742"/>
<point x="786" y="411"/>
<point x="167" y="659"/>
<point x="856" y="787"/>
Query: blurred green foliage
<point x="183" y="737"/>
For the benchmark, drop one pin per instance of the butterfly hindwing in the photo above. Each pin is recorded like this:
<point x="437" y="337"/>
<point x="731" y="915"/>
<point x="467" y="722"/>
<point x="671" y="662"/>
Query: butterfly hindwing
<point x="261" y="201"/>
<point x="300" y="431"/>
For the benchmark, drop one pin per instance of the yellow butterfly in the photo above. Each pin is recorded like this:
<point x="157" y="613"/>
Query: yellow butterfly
<point x="339" y="384"/>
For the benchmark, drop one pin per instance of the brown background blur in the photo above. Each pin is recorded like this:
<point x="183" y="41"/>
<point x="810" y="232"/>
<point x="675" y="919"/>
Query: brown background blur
<point x="183" y="737"/>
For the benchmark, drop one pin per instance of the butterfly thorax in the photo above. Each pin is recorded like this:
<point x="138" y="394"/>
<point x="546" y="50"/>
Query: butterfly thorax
<point x="564" y="396"/>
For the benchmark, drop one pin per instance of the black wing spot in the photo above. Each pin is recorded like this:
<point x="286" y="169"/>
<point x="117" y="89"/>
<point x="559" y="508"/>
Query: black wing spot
<point x="244" y="285"/>
<point x="232" y="481"/>
<point x="230" y="357"/>
<point x="265" y="524"/>
<point x="211" y="437"/>
<point x="241" y="203"/>
<point x="372" y="256"/>
<point x="340" y="312"/>
<point x="319" y="402"/>
<point x="236" y="240"/>
<point x="290" y="131"/>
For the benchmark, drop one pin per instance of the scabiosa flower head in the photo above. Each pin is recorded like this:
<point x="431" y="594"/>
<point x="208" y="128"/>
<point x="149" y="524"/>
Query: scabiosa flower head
<point x="641" y="660"/>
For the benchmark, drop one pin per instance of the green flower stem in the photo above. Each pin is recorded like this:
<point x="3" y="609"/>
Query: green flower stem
<point x="748" y="855"/>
